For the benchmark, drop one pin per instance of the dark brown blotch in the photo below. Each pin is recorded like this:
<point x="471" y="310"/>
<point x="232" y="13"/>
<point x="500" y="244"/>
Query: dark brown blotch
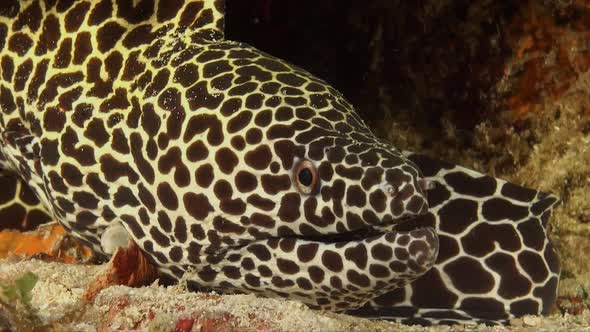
<point x="167" y="196"/>
<point x="108" y="35"/>
<point x="197" y="205"/>
<point x="290" y="207"/>
<point x="226" y="160"/>
<point x="245" y="181"/>
<point x="259" y="158"/>
<point x="332" y="261"/>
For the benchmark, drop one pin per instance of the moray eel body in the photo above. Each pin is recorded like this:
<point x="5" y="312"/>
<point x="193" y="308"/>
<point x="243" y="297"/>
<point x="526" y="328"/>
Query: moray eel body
<point x="243" y="173"/>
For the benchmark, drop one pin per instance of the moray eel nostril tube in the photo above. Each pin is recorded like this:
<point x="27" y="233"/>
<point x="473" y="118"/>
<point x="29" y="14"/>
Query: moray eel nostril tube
<point x="243" y="173"/>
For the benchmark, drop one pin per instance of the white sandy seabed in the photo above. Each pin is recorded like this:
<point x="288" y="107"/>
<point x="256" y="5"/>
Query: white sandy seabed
<point x="57" y="303"/>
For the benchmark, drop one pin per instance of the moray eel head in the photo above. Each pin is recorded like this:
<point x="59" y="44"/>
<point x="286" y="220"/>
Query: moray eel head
<point x="297" y="198"/>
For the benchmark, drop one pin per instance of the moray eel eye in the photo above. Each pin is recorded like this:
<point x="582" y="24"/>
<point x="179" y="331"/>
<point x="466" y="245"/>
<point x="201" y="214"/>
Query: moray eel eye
<point x="306" y="177"/>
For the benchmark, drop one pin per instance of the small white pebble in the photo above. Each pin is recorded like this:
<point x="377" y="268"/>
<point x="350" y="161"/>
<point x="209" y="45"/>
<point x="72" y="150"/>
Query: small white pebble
<point x="115" y="236"/>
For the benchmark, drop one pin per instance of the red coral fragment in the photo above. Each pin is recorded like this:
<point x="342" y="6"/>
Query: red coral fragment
<point x="185" y="325"/>
<point x="128" y="266"/>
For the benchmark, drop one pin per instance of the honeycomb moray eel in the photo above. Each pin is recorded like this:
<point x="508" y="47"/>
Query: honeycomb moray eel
<point x="246" y="174"/>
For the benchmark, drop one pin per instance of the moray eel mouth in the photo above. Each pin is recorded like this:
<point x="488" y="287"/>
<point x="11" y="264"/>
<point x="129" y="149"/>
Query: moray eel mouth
<point x="336" y="272"/>
<point x="359" y="235"/>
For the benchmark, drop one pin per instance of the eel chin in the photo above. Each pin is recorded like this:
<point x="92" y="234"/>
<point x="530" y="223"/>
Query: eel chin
<point x="336" y="272"/>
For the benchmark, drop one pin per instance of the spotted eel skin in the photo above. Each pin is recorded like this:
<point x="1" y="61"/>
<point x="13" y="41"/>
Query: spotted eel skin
<point x="245" y="174"/>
